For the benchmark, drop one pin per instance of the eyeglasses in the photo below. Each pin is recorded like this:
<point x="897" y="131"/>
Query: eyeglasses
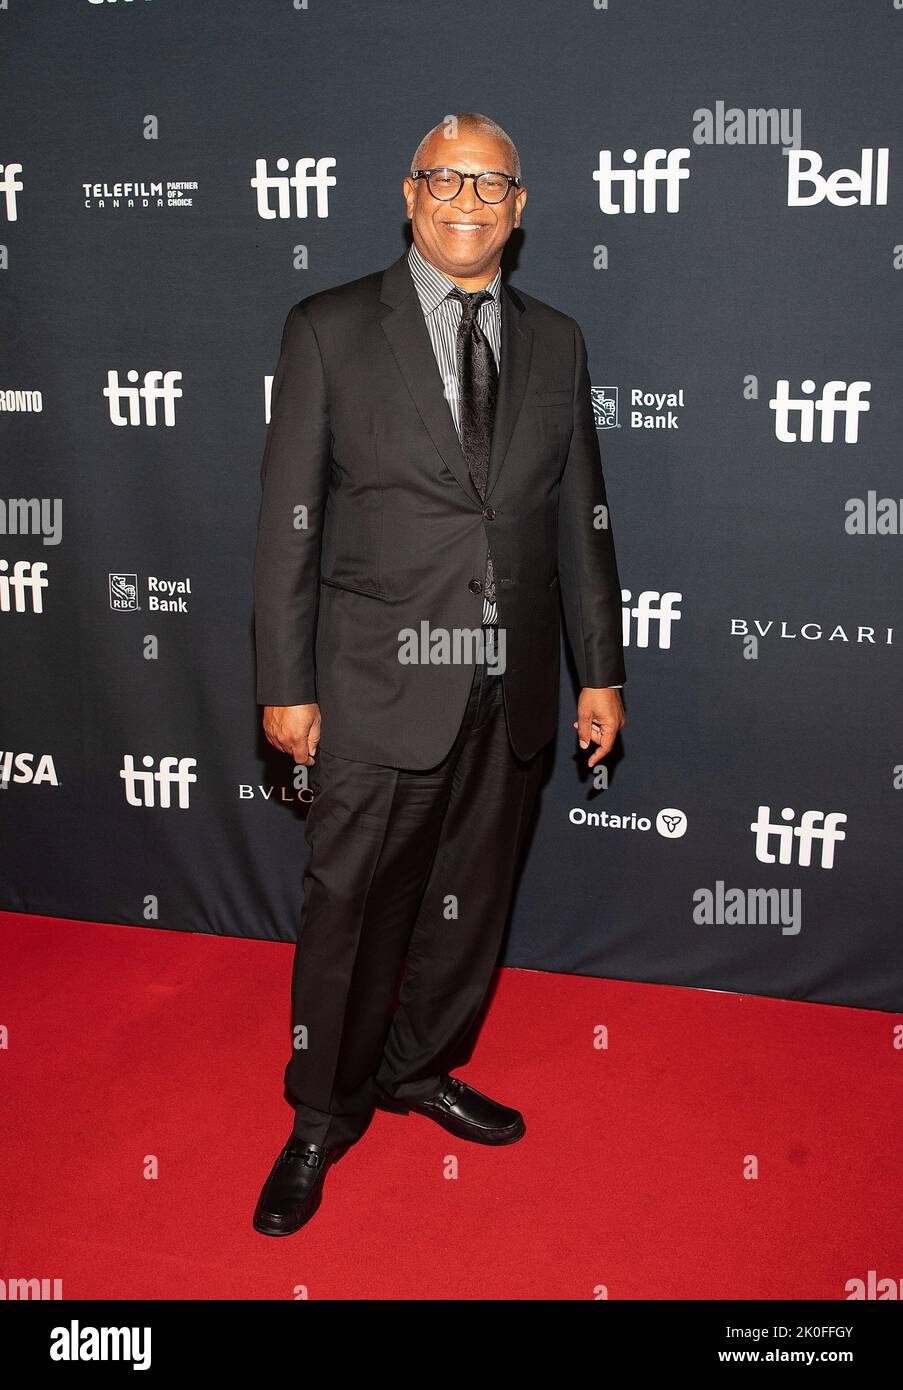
<point x="445" y="184"/>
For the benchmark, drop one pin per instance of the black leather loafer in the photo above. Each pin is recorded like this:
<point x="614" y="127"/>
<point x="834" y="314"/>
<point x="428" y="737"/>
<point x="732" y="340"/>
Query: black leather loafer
<point x="294" y="1188"/>
<point x="464" y="1112"/>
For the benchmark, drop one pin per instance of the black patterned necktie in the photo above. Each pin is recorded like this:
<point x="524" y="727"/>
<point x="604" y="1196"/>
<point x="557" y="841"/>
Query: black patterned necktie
<point x="478" y="381"/>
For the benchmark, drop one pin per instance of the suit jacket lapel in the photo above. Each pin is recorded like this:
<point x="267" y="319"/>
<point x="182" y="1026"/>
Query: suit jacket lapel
<point x="517" y="349"/>
<point x="409" y="339"/>
<point x="410" y="342"/>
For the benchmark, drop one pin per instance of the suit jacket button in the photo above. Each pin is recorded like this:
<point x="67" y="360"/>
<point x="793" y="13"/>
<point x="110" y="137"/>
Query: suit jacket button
<point x="489" y="513"/>
<point x="475" y="586"/>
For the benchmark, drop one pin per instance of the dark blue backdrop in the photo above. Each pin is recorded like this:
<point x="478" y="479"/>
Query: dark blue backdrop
<point x="748" y="579"/>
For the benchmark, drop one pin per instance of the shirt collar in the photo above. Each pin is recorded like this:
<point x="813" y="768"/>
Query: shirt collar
<point x="433" y="287"/>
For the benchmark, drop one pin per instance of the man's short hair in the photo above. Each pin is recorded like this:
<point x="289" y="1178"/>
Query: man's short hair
<point x="473" y="123"/>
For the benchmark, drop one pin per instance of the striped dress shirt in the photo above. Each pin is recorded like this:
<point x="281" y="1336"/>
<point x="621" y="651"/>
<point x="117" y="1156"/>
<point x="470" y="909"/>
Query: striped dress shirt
<point x="443" y="316"/>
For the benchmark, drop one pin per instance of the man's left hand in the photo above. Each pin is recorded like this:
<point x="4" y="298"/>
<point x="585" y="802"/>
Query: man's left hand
<point x="600" y="715"/>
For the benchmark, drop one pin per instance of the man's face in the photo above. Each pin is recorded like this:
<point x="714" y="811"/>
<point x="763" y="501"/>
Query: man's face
<point x="464" y="237"/>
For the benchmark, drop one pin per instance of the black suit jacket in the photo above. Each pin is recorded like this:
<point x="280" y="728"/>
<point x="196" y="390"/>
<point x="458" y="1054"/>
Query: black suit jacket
<point x="370" y="525"/>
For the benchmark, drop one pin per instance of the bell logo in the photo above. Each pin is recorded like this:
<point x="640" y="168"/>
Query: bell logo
<point x="842" y="188"/>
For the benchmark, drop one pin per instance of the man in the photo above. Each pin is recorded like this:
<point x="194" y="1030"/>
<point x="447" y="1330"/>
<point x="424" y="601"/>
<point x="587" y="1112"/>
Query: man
<point x="432" y="493"/>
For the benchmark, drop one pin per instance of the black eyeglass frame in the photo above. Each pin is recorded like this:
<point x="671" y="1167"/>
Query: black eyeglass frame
<point x="513" y="182"/>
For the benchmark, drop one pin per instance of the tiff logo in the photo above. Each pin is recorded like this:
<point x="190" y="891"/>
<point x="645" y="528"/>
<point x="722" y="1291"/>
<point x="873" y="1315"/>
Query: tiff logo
<point x="814" y="825"/>
<point x="140" y="787"/>
<point x="650" y="176"/>
<point x="158" y="386"/>
<point x="10" y="186"/>
<point x="652" y="609"/>
<point x="309" y="173"/>
<point x="837" y="398"/>
<point x="28" y="578"/>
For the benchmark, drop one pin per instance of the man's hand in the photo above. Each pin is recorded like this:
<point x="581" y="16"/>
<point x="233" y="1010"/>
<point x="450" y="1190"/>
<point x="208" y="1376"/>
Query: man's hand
<point x="293" y="729"/>
<point x="600" y="715"/>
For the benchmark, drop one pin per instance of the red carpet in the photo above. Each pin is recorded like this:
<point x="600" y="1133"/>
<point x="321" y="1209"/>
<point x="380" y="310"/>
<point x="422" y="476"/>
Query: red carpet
<point x="125" y="1042"/>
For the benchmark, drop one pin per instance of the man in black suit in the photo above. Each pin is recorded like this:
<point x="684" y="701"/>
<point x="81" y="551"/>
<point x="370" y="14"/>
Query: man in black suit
<point x="432" y="497"/>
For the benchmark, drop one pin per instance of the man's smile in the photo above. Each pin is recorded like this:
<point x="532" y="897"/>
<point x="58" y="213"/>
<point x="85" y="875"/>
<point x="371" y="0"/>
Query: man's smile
<point x="465" y="228"/>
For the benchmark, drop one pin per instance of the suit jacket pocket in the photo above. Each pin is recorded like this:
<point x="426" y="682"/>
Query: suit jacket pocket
<point x="350" y="588"/>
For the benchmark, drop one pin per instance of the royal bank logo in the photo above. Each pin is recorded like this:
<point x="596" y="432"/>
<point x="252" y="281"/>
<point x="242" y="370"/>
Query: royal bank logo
<point x="290" y="191"/>
<point x="605" y="407"/>
<point x="124" y="593"/>
<point x="163" y="595"/>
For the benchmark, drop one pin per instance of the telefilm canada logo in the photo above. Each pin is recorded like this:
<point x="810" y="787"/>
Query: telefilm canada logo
<point x="138" y="195"/>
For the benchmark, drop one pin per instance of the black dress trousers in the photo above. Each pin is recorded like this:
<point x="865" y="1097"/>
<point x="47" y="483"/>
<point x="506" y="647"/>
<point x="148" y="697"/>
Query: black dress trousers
<point x="411" y="869"/>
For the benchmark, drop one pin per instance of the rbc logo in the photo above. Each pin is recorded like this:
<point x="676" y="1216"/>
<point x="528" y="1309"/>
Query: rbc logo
<point x="605" y="407"/>
<point x="123" y="592"/>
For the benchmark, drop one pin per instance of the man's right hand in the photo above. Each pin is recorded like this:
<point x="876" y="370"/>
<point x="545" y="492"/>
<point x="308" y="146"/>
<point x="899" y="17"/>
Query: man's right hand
<point x="293" y="729"/>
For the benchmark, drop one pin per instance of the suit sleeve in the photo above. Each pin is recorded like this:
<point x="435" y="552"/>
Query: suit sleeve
<point x="587" y="568"/>
<point x="295" y="478"/>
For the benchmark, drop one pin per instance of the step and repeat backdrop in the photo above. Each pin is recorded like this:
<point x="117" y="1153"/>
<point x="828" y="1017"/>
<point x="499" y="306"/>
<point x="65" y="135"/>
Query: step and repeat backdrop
<point x="715" y="193"/>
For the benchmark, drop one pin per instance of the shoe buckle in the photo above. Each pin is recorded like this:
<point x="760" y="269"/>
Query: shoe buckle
<point x="312" y="1158"/>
